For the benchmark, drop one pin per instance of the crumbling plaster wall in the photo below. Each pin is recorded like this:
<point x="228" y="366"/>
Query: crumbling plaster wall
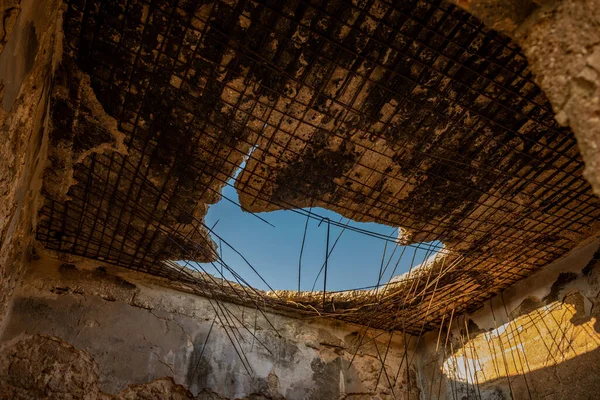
<point x="117" y="328"/>
<point x="538" y="339"/>
<point x="561" y="39"/>
<point x="29" y="35"/>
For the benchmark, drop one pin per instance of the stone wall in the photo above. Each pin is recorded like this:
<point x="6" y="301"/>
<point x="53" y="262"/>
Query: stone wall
<point x="82" y="328"/>
<point x="29" y="34"/>
<point x="538" y="339"/>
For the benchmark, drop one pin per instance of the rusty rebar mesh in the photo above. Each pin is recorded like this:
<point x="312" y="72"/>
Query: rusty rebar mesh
<point x="410" y="114"/>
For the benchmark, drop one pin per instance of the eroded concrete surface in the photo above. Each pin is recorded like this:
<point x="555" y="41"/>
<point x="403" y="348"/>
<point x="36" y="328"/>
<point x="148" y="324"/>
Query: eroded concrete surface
<point x="29" y="32"/>
<point x="108" y="331"/>
<point x="560" y="39"/>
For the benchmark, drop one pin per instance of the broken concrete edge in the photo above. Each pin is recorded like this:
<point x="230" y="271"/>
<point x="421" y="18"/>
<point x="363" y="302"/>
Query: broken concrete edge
<point x="303" y="305"/>
<point x="338" y="304"/>
<point x="435" y="265"/>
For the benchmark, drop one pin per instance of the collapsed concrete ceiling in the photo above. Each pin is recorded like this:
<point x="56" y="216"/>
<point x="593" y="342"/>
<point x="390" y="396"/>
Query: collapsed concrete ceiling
<point x="413" y="115"/>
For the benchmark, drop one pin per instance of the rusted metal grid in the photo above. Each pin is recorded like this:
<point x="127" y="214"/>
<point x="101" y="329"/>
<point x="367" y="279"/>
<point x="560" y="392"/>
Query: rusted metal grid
<point x="453" y="141"/>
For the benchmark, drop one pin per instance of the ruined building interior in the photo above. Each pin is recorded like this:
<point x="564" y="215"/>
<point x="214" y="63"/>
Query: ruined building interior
<point x="471" y="128"/>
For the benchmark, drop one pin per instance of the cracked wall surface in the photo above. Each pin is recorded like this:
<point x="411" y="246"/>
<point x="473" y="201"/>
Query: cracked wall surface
<point x="38" y="366"/>
<point x="121" y="329"/>
<point x="537" y="340"/>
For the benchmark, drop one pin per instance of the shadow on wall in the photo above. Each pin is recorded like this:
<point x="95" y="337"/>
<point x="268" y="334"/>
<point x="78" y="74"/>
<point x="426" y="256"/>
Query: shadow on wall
<point x="549" y="348"/>
<point x="575" y="378"/>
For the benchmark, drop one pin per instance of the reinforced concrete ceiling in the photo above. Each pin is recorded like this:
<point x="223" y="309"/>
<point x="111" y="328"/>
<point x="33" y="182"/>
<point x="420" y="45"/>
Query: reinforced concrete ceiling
<point x="411" y="114"/>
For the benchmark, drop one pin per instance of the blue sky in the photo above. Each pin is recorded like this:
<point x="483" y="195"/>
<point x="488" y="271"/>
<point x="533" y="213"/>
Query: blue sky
<point x="274" y="251"/>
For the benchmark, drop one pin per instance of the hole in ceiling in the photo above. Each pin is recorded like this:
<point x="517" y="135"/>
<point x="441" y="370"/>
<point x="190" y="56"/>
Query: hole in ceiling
<point x="287" y="248"/>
